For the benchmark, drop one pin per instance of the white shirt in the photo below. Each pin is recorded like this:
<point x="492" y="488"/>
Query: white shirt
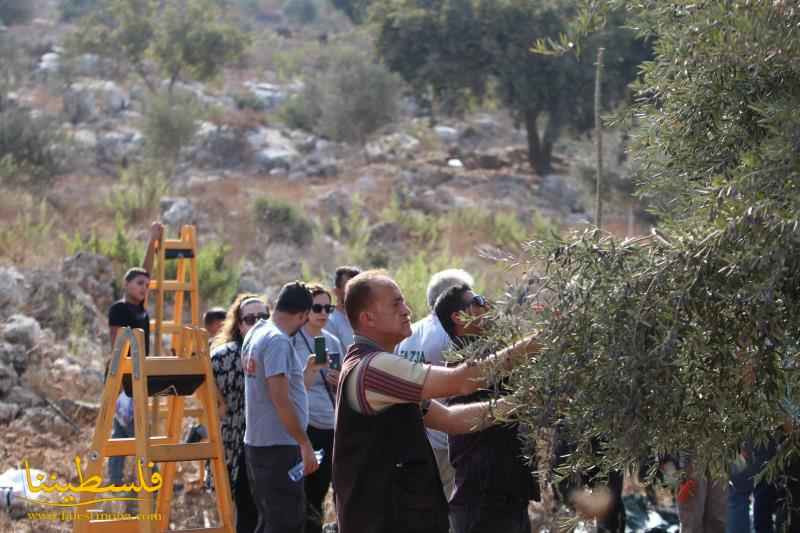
<point x="427" y="343"/>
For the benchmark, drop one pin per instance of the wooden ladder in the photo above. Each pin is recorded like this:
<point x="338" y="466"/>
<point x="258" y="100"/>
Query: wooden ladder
<point x="154" y="506"/>
<point x="184" y="251"/>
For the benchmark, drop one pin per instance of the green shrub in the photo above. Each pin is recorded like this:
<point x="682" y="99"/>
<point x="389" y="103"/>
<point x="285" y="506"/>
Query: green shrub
<point x="283" y="221"/>
<point x="28" y="148"/>
<point x="302" y="111"/>
<point x="138" y="193"/>
<point x="358" y="96"/>
<point x="300" y="11"/>
<point x="122" y="251"/>
<point x="28" y="234"/>
<point x="348" y="99"/>
<point x="15" y="11"/>
<point x="248" y="100"/>
<point x="75" y="9"/>
<point x="170" y="123"/>
<point x="218" y="279"/>
<point x="413" y="276"/>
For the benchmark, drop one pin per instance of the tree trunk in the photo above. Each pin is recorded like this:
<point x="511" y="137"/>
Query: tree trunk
<point x="538" y="153"/>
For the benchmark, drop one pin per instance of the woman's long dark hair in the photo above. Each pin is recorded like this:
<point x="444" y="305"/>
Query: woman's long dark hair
<point x="229" y="332"/>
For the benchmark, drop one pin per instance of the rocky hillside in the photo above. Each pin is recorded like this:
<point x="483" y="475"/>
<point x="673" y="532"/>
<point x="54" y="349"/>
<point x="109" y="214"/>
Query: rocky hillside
<point x="272" y="203"/>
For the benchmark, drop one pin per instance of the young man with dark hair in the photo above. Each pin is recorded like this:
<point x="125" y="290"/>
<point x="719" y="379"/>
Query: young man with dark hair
<point x="384" y="470"/>
<point x="493" y="484"/>
<point x="276" y="413"/>
<point x="338" y="323"/>
<point x="130" y="312"/>
<point x="213" y="320"/>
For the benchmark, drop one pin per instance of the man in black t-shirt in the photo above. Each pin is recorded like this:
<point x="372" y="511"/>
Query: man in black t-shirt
<point x="124" y="313"/>
<point x="130" y="312"/>
<point x="493" y="483"/>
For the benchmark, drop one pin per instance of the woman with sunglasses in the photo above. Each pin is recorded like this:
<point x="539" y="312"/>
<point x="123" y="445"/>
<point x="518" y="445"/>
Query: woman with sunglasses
<point x="246" y="310"/>
<point x="321" y="387"/>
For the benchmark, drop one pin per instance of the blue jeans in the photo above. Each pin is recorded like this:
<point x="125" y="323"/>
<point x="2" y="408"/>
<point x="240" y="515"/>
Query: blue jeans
<point x="764" y="494"/>
<point x="116" y="465"/>
<point x="739" y="490"/>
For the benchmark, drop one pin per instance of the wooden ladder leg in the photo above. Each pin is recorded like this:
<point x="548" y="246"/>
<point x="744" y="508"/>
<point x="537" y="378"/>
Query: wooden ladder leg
<point x="142" y="433"/>
<point x="104" y="424"/>
<point x="207" y="395"/>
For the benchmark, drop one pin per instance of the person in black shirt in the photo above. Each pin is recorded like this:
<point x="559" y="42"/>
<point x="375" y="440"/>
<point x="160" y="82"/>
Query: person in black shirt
<point x="130" y="312"/>
<point x="493" y="483"/>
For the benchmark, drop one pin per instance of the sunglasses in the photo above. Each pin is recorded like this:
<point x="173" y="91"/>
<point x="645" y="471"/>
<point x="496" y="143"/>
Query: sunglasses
<point x="318" y="308"/>
<point x="255" y="317"/>
<point x="479" y="300"/>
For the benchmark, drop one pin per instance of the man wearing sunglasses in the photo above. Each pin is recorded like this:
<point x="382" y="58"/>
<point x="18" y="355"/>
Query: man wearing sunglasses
<point x="426" y="344"/>
<point x="493" y="483"/>
<point x="384" y="469"/>
<point x="276" y="413"/>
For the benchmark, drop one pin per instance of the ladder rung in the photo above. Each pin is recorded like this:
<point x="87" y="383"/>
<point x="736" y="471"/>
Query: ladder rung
<point x="172" y="285"/>
<point x="168" y="453"/>
<point x="177" y="244"/>
<point x="168" y="326"/>
<point x="195" y="412"/>
<point x="173" y="366"/>
<point x="126" y="446"/>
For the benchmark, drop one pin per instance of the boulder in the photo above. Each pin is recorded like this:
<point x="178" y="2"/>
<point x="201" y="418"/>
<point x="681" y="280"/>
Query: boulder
<point x="176" y="212"/>
<point x="44" y="420"/>
<point x="425" y="177"/>
<point x="22" y="330"/>
<point x="93" y="66"/>
<point x="12" y="290"/>
<point x="503" y="191"/>
<point x="12" y="355"/>
<point x="335" y="203"/>
<point x="94" y="274"/>
<point x="8" y="379"/>
<point x="220" y="147"/>
<point x="315" y="167"/>
<point x="89" y="100"/>
<point x="561" y="192"/>
<point x="365" y="184"/>
<point x="85" y="138"/>
<point x="119" y="146"/>
<point x="392" y="147"/>
<point x="492" y="159"/>
<point x="270" y="95"/>
<point x="446" y="134"/>
<point x="268" y="159"/>
<point x="23" y="397"/>
<point x="60" y="304"/>
<point x="437" y="200"/>
<point x="50" y="63"/>
<point x="8" y="412"/>
<point x="272" y="149"/>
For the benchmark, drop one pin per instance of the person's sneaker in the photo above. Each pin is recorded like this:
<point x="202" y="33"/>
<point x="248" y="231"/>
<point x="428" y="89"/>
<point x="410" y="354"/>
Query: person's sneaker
<point x="330" y="527"/>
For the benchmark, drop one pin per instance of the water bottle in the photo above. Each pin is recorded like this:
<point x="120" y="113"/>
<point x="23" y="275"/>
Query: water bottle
<point x="296" y="472"/>
<point x="6" y="497"/>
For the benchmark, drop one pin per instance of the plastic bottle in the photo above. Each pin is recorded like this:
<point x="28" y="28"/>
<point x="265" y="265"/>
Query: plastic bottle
<point x="6" y="497"/>
<point x="296" y="472"/>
